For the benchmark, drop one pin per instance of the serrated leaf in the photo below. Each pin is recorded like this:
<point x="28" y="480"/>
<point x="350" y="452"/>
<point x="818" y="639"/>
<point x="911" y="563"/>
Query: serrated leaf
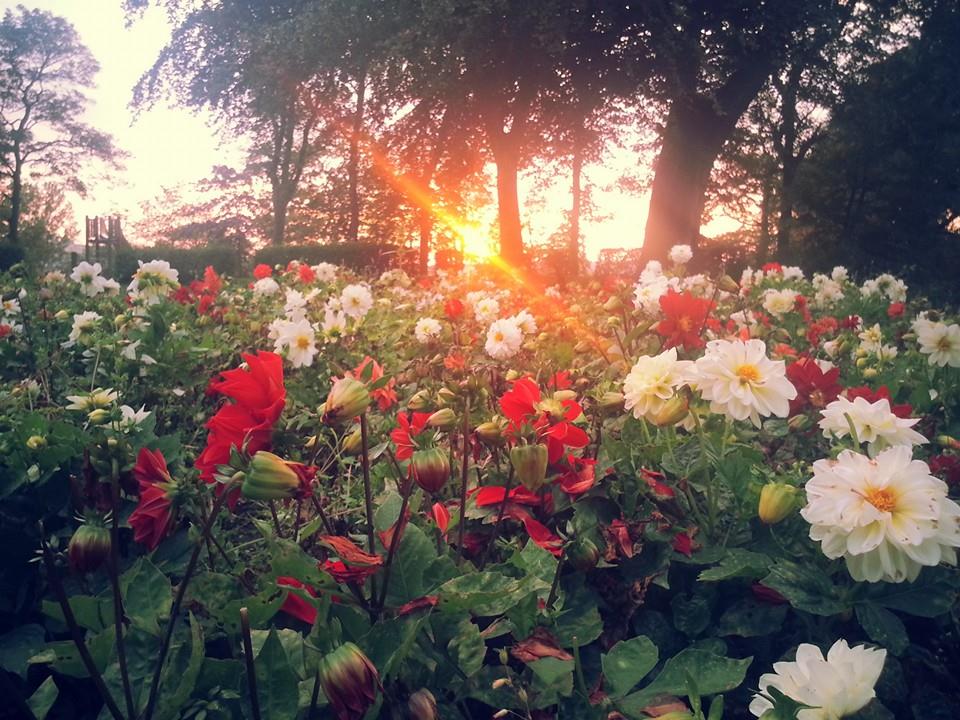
<point x="627" y="663"/>
<point x="146" y="595"/>
<point x="883" y="627"/>
<point x="276" y="680"/>
<point x="737" y="563"/>
<point x="467" y="648"/>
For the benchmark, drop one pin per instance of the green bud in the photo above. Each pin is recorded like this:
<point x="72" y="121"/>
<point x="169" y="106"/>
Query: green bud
<point x="777" y="501"/>
<point x="90" y="546"/>
<point x="583" y="554"/>
<point x="348" y="398"/>
<point x="423" y="705"/>
<point x="444" y="419"/>
<point x="349" y="681"/>
<point x="430" y="469"/>
<point x="269" y="478"/>
<point x="530" y="464"/>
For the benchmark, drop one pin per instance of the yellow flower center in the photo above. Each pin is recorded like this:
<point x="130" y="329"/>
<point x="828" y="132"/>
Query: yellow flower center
<point x="882" y="499"/>
<point x="748" y="373"/>
<point x="498" y="337"/>
<point x="685" y="323"/>
<point x="303" y="342"/>
<point x="944" y="344"/>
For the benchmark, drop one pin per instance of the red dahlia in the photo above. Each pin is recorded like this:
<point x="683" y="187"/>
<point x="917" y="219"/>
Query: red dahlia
<point x="685" y="317"/>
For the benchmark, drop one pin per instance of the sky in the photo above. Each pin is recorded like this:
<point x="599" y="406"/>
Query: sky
<point x="168" y="146"/>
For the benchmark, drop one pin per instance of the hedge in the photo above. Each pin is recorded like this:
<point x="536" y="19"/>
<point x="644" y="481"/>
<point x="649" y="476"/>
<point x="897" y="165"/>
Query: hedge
<point x="190" y="262"/>
<point x="10" y="255"/>
<point x="359" y="256"/>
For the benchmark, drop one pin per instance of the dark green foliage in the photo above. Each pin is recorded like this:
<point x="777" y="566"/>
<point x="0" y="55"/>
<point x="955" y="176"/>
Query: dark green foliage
<point x="360" y="256"/>
<point x="191" y="262"/>
<point x="10" y="254"/>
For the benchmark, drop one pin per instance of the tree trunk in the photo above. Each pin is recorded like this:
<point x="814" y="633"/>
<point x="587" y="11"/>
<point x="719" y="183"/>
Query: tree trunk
<point x="353" y="165"/>
<point x="16" y="201"/>
<point x="508" y="205"/>
<point x="763" y="243"/>
<point x="788" y="178"/>
<point x="425" y="223"/>
<point x="691" y="143"/>
<point x="577" y="197"/>
<point x="279" y="228"/>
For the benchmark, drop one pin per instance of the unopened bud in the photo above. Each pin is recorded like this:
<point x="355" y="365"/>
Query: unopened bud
<point x="422" y="705"/>
<point x="613" y="304"/>
<point x="269" y="478"/>
<point x="445" y="396"/>
<point x="489" y="432"/>
<point x="443" y="419"/>
<point x="35" y="442"/>
<point x="530" y="464"/>
<point x="610" y="402"/>
<point x="504" y="656"/>
<point x="672" y="412"/>
<point x="777" y="501"/>
<point x="562" y="395"/>
<point x="799" y="423"/>
<point x="349" y="681"/>
<point x="728" y="284"/>
<point x="948" y="442"/>
<point x="512" y="375"/>
<point x="430" y="469"/>
<point x="348" y="398"/>
<point x="98" y="416"/>
<point x="419" y="402"/>
<point x="583" y="554"/>
<point x="352" y="444"/>
<point x="61" y="314"/>
<point x="89" y="547"/>
<point x="869" y="373"/>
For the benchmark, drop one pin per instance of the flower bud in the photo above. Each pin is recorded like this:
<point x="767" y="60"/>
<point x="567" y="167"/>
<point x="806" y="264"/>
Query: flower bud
<point x="672" y="412"/>
<point x="948" y="442"/>
<point x="489" y="432"/>
<point x="349" y="681"/>
<point x="610" y="402"/>
<point x="799" y="423"/>
<point x="869" y="373"/>
<point x="445" y="396"/>
<point x="444" y="419"/>
<point x="348" y="398"/>
<point x="504" y="658"/>
<point x="269" y="478"/>
<point x="352" y="444"/>
<point x="613" y="304"/>
<point x="728" y="284"/>
<point x="583" y="554"/>
<point x="512" y="375"/>
<point x="423" y="705"/>
<point x="562" y="395"/>
<point x="430" y="469"/>
<point x="419" y="402"/>
<point x="777" y="500"/>
<point x="35" y="442"/>
<point x="530" y="464"/>
<point x="89" y="547"/>
<point x="98" y="416"/>
<point x="582" y="346"/>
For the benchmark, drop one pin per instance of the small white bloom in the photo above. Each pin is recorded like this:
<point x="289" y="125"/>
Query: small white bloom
<point x="779" y="302"/>
<point x="680" y="254"/>
<point x="834" y="687"/>
<point x="265" y="287"/>
<point x="298" y="339"/>
<point x="334" y="322"/>
<point x="646" y="296"/>
<point x="887" y="517"/>
<point x="873" y="422"/>
<point x="486" y="309"/>
<point x="427" y="330"/>
<point x="652" y="381"/>
<point x="740" y="381"/>
<point x="325" y="272"/>
<point x="83" y="324"/>
<point x="153" y="281"/>
<point x="130" y="419"/>
<point x="941" y="342"/>
<point x="792" y="272"/>
<point x="89" y="277"/>
<point x="503" y="339"/>
<point x="839" y="274"/>
<point x="356" y="301"/>
<point x="871" y="338"/>
<point x="526" y="322"/>
<point x="98" y="398"/>
<point x="295" y="305"/>
<point x="10" y="307"/>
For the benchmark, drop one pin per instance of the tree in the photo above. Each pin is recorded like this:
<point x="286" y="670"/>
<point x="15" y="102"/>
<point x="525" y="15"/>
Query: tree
<point x="44" y="69"/>
<point x="709" y="60"/>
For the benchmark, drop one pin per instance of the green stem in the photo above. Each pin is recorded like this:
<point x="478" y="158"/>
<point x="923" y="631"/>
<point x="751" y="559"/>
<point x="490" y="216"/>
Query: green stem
<point x="496" y="526"/>
<point x="394" y="544"/>
<point x="464" y="470"/>
<point x="368" y="494"/>
<point x="581" y="682"/>
<point x="251" y="668"/>
<point x="114" y="570"/>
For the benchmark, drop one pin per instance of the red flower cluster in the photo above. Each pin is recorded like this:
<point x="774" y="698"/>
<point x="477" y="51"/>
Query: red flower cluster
<point x="815" y="388"/>
<point x="550" y="418"/>
<point x="684" y="319"/>
<point x="385" y="396"/>
<point x="825" y="326"/>
<point x="409" y="427"/>
<point x="259" y="396"/>
<point x="453" y="309"/>
<point x="152" y="519"/>
<point x="262" y="271"/>
<point x="202" y="292"/>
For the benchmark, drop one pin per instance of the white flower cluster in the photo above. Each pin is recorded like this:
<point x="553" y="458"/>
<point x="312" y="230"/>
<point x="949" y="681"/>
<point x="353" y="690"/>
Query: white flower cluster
<point x="153" y="281"/>
<point x="651" y="286"/>
<point x="938" y="341"/>
<point x="886" y="284"/>
<point x="91" y="281"/>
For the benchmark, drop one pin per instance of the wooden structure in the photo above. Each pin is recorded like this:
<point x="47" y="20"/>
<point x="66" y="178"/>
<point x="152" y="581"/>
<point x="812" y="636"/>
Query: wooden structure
<point x="102" y="237"/>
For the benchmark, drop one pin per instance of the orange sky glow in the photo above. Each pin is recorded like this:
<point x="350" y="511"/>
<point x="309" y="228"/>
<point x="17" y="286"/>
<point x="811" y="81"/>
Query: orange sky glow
<point x="169" y="146"/>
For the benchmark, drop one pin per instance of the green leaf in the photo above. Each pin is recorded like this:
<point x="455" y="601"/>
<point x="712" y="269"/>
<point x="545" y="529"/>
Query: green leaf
<point x="579" y="616"/>
<point x="91" y="613"/>
<point x="19" y="645"/>
<point x="43" y="698"/>
<point x="807" y="588"/>
<point x="534" y="560"/>
<point x="486" y="593"/>
<point x="183" y="676"/>
<point x="714" y="674"/>
<point x="883" y="627"/>
<point x="930" y="595"/>
<point x="691" y="616"/>
<point x="387" y="512"/>
<point x="146" y="595"/>
<point x="288" y="559"/>
<point x="413" y="556"/>
<point x="627" y="663"/>
<point x="388" y="644"/>
<point x="750" y="618"/>
<point x="737" y="563"/>
<point x="276" y="680"/>
<point x="467" y="648"/>
<point x="553" y="678"/>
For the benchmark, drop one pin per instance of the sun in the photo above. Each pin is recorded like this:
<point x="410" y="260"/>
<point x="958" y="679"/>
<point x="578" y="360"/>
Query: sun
<point x="476" y="242"/>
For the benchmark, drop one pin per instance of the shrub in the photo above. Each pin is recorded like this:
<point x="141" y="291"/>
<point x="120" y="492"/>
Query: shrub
<point x="359" y="256"/>
<point x="10" y="255"/>
<point x="190" y="262"/>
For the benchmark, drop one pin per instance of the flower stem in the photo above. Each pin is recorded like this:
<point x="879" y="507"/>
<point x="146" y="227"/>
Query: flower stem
<point x="581" y="683"/>
<point x="54" y="579"/>
<point x="248" y="659"/>
<point x="178" y="601"/>
<point x="394" y="544"/>
<point x="496" y="526"/>
<point x="556" y="581"/>
<point x="464" y="470"/>
<point x="367" y="493"/>
<point x="114" y="569"/>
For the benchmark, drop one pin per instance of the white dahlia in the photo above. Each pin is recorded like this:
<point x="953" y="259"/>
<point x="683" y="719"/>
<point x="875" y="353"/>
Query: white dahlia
<point x="89" y="277"/>
<point x="526" y="322"/>
<point x="325" y="272"/>
<point x="427" y="329"/>
<point x="503" y="339"/>
<point x="779" y="302"/>
<point x="153" y="281"/>
<point x="873" y="422"/>
<point x="887" y="516"/>
<point x="298" y="338"/>
<point x="681" y="254"/>
<point x="741" y="382"/>
<point x="834" y="687"/>
<point x="83" y="324"/>
<point x="265" y="287"/>
<point x="356" y="301"/>
<point x="486" y="309"/>
<point x="940" y="341"/>
<point x="652" y="382"/>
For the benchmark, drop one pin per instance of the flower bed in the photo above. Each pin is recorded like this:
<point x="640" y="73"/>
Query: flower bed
<point x="314" y="494"/>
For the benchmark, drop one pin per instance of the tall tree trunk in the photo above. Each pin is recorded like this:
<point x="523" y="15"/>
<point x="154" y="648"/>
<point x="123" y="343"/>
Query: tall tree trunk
<point x="763" y="243"/>
<point x="16" y="201"/>
<point x="353" y="165"/>
<point x="279" y="226"/>
<point x="425" y="223"/>
<point x="576" y="192"/>
<point x="788" y="177"/>
<point x="691" y="143"/>
<point x="508" y="204"/>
